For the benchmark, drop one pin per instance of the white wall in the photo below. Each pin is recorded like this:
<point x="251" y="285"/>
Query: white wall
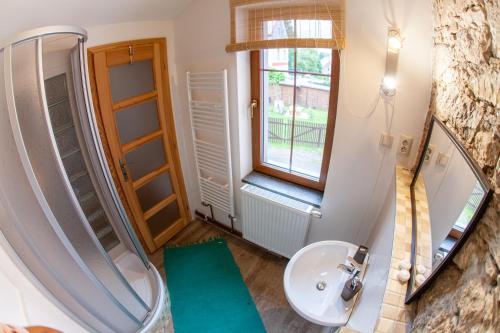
<point x="360" y="170"/>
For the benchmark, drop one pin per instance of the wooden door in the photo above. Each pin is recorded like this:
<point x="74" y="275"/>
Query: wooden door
<point x="131" y="95"/>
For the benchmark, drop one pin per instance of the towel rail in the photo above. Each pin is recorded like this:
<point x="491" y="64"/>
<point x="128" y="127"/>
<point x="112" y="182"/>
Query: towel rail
<point x="209" y="120"/>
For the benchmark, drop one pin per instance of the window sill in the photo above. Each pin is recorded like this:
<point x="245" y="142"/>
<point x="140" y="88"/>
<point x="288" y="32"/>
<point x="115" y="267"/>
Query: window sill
<point x="287" y="189"/>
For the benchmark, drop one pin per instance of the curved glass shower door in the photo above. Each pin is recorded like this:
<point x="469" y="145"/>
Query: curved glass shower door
<point x="70" y="233"/>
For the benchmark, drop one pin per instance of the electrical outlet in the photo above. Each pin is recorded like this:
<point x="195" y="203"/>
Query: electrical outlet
<point x="386" y="140"/>
<point x="442" y="159"/>
<point x="405" y="143"/>
<point x="429" y="152"/>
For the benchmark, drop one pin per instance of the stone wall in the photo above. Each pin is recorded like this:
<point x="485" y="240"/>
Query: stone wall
<point x="466" y="97"/>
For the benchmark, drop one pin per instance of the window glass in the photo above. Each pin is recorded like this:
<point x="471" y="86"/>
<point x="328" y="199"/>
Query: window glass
<point x="279" y="29"/>
<point x="277" y="118"/>
<point x="278" y="59"/>
<point x="314" y="61"/>
<point x="314" y="29"/>
<point x="287" y="29"/>
<point x="312" y="95"/>
<point x="295" y="95"/>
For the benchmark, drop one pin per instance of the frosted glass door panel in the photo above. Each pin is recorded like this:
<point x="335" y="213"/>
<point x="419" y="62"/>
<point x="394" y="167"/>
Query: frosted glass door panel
<point x="137" y="120"/>
<point x="131" y="80"/>
<point x="146" y="158"/>
<point x="56" y="88"/>
<point x="155" y="191"/>
<point x="57" y="92"/>
<point x="165" y="218"/>
<point x="58" y="116"/>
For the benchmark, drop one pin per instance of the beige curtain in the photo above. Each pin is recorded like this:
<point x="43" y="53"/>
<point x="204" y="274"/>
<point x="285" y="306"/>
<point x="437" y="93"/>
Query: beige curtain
<point x="263" y="24"/>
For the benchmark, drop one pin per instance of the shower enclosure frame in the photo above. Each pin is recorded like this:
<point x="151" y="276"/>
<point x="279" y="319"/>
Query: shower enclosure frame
<point x="20" y="240"/>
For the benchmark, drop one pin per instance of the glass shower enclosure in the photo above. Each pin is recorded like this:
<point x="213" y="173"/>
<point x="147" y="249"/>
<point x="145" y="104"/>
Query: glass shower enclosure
<point x="59" y="208"/>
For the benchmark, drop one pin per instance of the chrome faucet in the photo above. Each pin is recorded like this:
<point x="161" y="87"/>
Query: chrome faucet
<point x="354" y="269"/>
<point x="353" y="284"/>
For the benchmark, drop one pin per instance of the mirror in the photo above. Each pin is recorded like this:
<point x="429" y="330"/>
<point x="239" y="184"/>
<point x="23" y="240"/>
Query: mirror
<point x="449" y="193"/>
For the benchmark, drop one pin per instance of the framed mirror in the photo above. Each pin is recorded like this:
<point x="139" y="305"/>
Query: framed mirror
<point x="449" y="193"/>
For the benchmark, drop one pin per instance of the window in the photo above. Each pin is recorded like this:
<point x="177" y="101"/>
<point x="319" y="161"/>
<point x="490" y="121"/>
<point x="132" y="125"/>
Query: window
<point x="296" y="91"/>
<point x="288" y="29"/>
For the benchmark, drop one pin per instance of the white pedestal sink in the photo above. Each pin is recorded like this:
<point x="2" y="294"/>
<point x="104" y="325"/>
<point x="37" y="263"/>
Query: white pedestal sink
<point x="313" y="283"/>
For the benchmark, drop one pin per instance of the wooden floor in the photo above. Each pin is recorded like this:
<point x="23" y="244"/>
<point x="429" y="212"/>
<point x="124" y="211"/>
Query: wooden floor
<point x="263" y="275"/>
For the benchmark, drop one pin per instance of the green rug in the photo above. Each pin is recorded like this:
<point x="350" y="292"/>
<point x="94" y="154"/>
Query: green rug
<point x="207" y="291"/>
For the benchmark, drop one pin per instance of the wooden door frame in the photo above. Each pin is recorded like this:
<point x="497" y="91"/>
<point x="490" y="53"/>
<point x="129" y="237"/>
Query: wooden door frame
<point x="164" y="97"/>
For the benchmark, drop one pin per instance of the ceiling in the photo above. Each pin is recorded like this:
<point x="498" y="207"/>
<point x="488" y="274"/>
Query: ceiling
<point x="20" y="15"/>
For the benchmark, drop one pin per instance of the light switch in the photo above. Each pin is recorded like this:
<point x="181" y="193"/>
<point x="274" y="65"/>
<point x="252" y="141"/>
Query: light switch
<point x="386" y="139"/>
<point x="442" y="159"/>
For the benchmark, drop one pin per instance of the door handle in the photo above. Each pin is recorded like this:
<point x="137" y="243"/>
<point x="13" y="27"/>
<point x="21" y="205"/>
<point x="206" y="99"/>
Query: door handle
<point x="123" y="169"/>
<point x="253" y="105"/>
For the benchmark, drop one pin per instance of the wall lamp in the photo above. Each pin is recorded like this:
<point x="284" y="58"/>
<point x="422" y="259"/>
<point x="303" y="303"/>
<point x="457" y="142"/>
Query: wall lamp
<point x="394" y="44"/>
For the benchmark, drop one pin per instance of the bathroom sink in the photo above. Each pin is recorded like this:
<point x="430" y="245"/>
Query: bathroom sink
<point x="313" y="283"/>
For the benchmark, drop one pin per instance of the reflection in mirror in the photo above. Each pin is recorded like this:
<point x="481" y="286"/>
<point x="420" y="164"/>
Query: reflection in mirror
<point x="448" y="194"/>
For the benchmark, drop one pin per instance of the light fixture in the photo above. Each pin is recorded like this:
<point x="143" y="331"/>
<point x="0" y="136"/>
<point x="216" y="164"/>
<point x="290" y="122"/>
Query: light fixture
<point x="394" y="41"/>
<point x="394" y="44"/>
<point x="388" y="86"/>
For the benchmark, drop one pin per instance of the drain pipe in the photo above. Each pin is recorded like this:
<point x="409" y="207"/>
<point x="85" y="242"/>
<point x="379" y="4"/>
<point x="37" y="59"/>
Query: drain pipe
<point x="203" y="203"/>
<point x="212" y="218"/>
<point x="218" y="224"/>
<point x="231" y="218"/>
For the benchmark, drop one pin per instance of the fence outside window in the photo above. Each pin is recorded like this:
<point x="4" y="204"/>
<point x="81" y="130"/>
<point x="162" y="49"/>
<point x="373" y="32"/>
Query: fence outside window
<point x="306" y="133"/>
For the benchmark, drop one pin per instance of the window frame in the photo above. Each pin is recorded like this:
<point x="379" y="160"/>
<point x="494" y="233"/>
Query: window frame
<point x="275" y="171"/>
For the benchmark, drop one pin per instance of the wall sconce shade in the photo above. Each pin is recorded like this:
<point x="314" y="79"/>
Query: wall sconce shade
<point x="388" y="86"/>
<point x="394" y="42"/>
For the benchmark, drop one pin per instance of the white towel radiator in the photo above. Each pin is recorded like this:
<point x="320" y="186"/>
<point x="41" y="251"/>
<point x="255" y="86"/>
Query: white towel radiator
<point x="208" y="105"/>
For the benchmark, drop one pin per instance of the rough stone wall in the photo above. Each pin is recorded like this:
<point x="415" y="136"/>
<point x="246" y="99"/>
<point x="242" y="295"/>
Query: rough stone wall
<point x="466" y="97"/>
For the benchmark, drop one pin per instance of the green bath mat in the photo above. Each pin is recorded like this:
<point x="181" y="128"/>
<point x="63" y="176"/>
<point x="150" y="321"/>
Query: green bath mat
<point x="207" y="292"/>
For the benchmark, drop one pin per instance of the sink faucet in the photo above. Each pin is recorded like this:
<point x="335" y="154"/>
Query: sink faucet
<point x="353" y="285"/>
<point x="351" y="270"/>
<point x="356" y="262"/>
